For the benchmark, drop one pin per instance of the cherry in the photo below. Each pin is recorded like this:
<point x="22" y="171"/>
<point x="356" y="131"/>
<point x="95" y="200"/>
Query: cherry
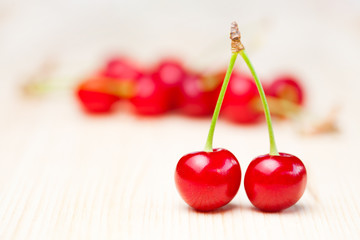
<point x="285" y="96"/>
<point x="275" y="182"/>
<point x="150" y="96"/>
<point x="287" y="88"/>
<point x="97" y="95"/>
<point x="198" y="94"/>
<point x="121" y="68"/>
<point x="170" y="73"/>
<point x="241" y="102"/>
<point x="209" y="179"/>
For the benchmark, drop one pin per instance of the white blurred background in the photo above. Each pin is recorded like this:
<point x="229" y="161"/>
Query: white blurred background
<point x="318" y="40"/>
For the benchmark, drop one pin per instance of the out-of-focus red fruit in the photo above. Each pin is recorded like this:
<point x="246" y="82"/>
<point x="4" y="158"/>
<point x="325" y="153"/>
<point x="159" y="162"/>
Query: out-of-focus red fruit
<point x="170" y="73"/>
<point x="96" y="95"/>
<point x="122" y="71"/>
<point x="242" y="102"/>
<point x="150" y="96"/>
<point x="199" y="94"/>
<point x="286" y="88"/>
<point x="121" y="68"/>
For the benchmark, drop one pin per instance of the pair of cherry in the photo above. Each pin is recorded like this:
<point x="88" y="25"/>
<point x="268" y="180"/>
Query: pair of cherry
<point x="170" y="86"/>
<point x="210" y="179"/>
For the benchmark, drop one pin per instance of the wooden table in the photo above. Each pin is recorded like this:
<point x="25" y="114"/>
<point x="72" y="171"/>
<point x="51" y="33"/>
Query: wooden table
<point x="68" y="175"/>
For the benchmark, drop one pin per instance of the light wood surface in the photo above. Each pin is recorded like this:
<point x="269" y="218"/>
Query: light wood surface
<point x="68" y="175"/>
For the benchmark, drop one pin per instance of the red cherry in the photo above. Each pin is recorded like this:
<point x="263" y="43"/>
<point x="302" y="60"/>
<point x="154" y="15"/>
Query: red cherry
<point x="170" y="73"/>
<point x="95" y="95"/>
<point x="121" y="68"/>
<point x="287" y="88"/>
<point x="199" y="94"/>
<point x="241" y="102"/>
<point x="150" y="96"/>
<point x="274" y="183"/>
<point x="208" y="180"/>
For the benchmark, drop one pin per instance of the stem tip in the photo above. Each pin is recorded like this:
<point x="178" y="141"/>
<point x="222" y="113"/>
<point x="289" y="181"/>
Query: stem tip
<point x="236" y="45"/>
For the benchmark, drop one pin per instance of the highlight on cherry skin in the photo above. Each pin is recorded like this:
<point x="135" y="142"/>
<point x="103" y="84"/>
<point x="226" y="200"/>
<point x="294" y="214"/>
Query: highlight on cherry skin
<point x="275" y="182"/>
<point x="208" y="180"/>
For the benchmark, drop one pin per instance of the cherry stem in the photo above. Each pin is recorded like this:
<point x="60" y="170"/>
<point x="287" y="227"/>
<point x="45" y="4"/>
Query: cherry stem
<point x="43" y="87"/>
<point x="273" y="148"/>
<point x="209" y="141"/>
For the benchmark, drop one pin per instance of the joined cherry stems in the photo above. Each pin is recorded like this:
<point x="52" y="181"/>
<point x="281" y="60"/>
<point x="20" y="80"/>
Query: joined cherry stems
<point x="238" y="48"/>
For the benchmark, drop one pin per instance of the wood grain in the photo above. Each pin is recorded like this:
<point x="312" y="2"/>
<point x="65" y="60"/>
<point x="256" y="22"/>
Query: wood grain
<point x="68" y="175"/>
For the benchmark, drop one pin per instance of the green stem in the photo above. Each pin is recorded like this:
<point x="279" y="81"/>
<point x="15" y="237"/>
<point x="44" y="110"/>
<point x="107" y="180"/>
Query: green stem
<point x="209" y="141"/>
<point x="44" y="87"/>
<point x="273" y="149"/>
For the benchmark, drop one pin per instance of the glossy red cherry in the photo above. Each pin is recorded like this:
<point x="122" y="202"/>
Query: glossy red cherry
<point x="150" y="96"/>
<point x="208" y="180"/>
<point x="199" y="94"/>
<point x="241" y="102"/>
<point x="287" y="88"/>
<point x="96" y="96"/>
<point x="170" y="73"/>
<point x="274" y="183"/>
